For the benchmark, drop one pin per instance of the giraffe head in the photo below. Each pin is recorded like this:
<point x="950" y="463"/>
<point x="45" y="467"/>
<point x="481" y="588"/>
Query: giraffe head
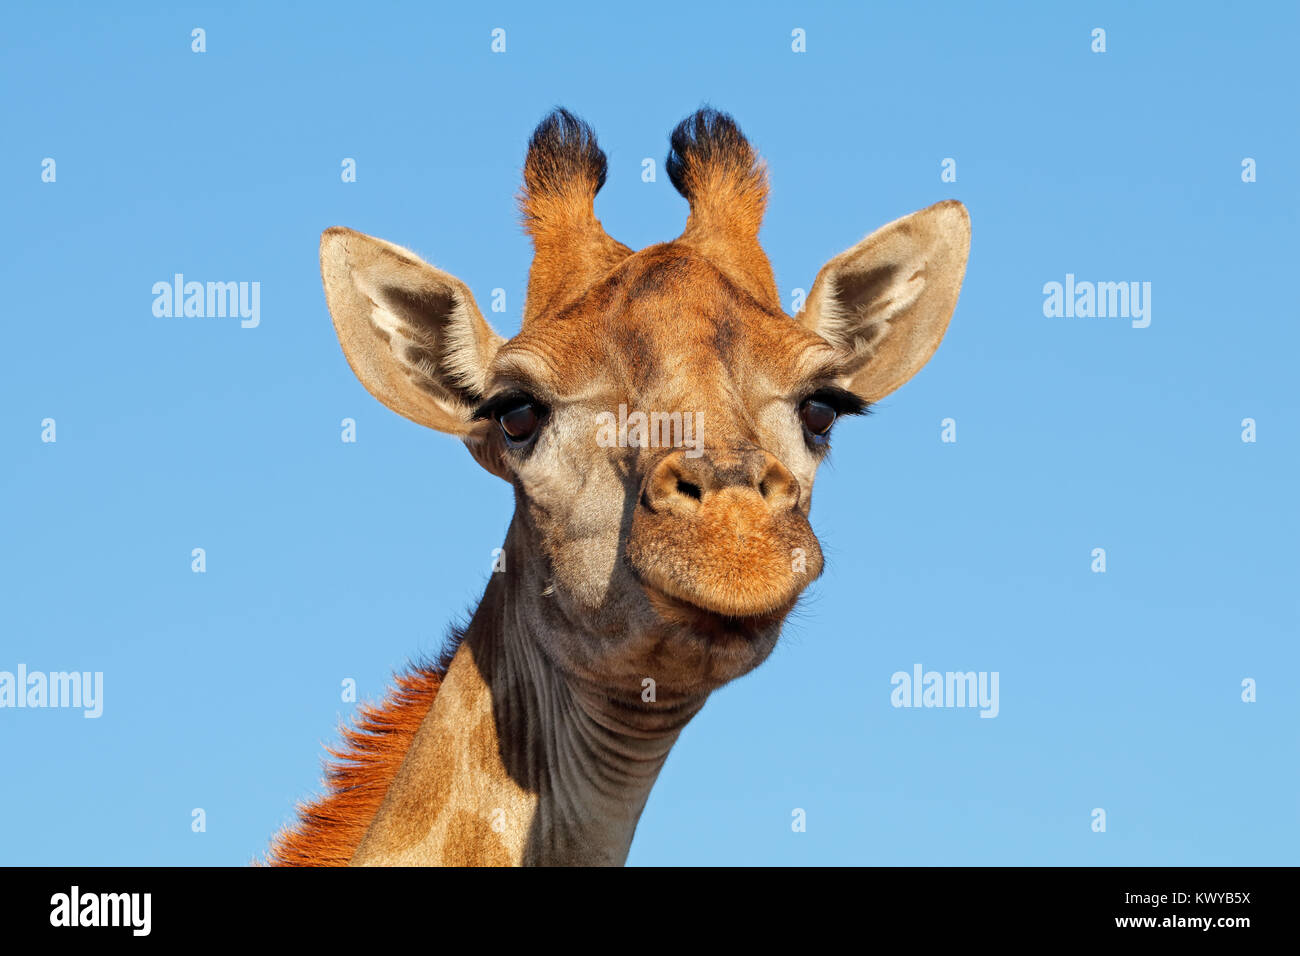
<point x="660" y="416"/>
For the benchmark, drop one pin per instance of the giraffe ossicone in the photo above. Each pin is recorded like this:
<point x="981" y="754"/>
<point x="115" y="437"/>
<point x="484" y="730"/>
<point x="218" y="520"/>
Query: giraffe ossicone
<point x="533" y="740"/>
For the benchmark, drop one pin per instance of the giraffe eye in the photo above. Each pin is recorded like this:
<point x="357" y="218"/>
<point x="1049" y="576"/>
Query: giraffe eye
<point x="519" y="422"/>
<point x="817" y="417"/>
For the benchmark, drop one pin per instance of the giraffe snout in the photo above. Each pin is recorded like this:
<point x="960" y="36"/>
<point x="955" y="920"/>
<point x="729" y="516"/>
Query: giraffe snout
<point x="724" y="532"/>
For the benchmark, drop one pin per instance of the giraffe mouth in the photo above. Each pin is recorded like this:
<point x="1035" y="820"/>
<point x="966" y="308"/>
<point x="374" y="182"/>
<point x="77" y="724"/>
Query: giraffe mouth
<point x="714" y="622"/>
<point x="672" y="600"/>
<point x="732" y="565"/>
<point x="714" y="625"/>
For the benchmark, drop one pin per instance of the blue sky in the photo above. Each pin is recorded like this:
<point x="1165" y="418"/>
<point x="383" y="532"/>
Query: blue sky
<point x="1119" y="690"/>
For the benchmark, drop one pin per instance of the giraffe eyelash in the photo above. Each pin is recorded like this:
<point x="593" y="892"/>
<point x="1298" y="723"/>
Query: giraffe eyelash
<point x="504" y="402"/>
<point x="841" y="399"/>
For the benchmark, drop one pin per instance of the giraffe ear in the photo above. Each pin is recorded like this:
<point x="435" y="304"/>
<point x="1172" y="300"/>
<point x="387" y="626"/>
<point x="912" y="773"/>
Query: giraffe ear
<point x="885" y="303"/>
<point x="411" y="333"/>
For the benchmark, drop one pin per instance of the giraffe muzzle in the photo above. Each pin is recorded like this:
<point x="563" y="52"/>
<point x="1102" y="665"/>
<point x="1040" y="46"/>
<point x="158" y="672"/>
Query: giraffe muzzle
<point x="724" y="532"/>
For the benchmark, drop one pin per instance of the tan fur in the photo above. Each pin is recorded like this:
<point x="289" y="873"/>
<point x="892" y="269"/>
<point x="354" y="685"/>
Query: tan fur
<point x="453" y="774"/>
<point x="412" y="333"/>
<point x="885" y="302"/>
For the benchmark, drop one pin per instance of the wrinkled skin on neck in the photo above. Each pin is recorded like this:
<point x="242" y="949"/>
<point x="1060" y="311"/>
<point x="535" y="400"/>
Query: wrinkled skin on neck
<point x="482" y="785"/>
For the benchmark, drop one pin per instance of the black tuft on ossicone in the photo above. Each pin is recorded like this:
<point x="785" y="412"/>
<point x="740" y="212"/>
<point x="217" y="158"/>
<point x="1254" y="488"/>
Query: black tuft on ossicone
<point x="561" y="150"/>
<point x="706" y="138"/>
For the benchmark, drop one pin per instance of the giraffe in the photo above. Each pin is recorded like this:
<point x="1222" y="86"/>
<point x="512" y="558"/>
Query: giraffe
<point x="639" y="576"/>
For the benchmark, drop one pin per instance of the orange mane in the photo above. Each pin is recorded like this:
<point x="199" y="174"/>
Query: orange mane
<point x="330" y="827"/>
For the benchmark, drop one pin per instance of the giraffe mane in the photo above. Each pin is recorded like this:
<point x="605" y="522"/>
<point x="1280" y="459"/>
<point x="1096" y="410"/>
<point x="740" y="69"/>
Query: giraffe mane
<point x="330" y="827"/>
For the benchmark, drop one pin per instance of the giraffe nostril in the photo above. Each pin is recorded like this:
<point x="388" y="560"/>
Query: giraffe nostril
<point x="689" y="489"/>
<point x="777" y="486"/>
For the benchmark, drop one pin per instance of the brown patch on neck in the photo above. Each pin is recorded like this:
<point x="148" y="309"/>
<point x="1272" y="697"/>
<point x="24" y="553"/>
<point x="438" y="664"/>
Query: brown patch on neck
<point x="331" y="827"/>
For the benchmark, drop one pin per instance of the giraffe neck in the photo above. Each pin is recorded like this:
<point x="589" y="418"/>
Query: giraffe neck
<point x="517" y="763"/>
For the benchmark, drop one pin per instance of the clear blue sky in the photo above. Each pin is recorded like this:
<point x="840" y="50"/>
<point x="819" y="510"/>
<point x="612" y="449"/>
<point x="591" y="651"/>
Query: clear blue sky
<point x="328" y="560"/>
